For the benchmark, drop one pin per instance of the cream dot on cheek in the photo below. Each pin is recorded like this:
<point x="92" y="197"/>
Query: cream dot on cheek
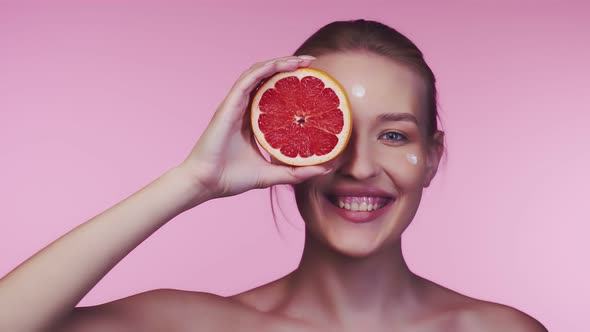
<point x="412" y="158"/>
<point x="358" y="90"/>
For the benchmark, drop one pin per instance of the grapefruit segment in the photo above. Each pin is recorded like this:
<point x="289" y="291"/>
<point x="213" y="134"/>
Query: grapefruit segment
<point x="301" y="117"/>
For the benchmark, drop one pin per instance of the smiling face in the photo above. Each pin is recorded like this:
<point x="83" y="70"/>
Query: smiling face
<point x="374" y="190"/>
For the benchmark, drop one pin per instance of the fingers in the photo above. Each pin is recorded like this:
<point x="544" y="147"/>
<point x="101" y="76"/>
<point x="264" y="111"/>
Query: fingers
<point x="292" y="175"/>
<point x="239" y="95"/>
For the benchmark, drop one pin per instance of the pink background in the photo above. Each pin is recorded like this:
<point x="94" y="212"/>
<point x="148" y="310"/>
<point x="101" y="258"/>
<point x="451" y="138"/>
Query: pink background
<point x="96" y="100"/>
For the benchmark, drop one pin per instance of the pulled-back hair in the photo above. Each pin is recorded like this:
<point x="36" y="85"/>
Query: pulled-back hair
<point x="378" y="38"/>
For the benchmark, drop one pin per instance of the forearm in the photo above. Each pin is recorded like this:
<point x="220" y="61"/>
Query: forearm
<point x="47" y="286"/>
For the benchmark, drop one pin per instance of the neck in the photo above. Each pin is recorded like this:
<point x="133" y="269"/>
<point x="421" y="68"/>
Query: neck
<point x="331" y="286"/>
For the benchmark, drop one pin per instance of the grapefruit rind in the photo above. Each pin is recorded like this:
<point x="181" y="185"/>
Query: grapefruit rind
<point x="344" y="107"/>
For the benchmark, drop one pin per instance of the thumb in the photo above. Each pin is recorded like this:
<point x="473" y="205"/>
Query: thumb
<point x="279" y="174"/>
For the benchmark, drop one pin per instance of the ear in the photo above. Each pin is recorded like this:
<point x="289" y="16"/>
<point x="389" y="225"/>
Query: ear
<point x="436" y="147"/>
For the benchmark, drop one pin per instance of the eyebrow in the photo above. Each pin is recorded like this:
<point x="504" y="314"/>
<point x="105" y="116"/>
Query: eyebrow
<point x="398" y="117"/>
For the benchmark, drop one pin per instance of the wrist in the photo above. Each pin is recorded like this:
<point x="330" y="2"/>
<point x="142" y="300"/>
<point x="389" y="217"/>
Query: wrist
<point x="188" y="184"/>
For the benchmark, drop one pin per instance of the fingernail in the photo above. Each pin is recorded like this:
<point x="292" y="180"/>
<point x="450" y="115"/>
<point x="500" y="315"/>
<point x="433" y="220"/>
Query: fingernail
<point x="326" y="172"/>
<point x="294" y="60"/>
<point x="307" y="57"/>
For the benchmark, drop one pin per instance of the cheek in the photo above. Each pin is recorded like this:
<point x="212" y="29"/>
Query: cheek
<point x="412" y="158"/>
<point x="406" y="167"/>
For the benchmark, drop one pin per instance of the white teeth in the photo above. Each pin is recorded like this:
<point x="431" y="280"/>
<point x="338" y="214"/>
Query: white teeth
<point x="363" y="206"/>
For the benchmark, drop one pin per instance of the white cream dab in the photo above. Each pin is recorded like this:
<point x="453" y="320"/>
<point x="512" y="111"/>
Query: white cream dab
<point x="412" y="158"/>
<point x="358" y="90"/>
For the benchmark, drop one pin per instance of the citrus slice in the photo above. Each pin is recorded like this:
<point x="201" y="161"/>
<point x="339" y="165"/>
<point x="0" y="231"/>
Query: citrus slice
<point x="301" y="117"/>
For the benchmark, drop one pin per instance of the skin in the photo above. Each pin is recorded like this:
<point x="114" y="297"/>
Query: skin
<point x="353" y="277"/>
<point x="350" y="278"/>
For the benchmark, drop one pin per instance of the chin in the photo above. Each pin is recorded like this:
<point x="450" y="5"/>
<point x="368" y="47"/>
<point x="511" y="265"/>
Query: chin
<point x="353" y="242"/>
<point x="355" y="249"/>
<point x="356" y="221"/>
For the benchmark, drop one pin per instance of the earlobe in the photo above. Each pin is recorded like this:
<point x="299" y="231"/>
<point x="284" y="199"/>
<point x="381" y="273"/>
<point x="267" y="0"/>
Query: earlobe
<point x="429" y="173"/>
<point x="435" y="151"/>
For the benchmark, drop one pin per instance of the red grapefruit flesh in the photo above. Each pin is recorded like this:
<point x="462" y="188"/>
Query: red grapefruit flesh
<point x="301" y="117"/>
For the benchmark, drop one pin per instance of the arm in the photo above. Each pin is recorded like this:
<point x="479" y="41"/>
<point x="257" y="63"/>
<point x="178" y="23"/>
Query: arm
<point x="45" y="288"/>
<point x="42" y="292"/>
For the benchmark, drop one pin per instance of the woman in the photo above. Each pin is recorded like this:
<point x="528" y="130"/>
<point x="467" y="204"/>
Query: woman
<point x="352" y="276"/>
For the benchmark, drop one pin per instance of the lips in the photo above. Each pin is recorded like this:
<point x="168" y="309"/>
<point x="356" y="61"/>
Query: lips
<point x="359" y="205"/>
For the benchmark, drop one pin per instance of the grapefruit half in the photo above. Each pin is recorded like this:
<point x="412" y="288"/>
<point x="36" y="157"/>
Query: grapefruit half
<point x="301" y="117"/>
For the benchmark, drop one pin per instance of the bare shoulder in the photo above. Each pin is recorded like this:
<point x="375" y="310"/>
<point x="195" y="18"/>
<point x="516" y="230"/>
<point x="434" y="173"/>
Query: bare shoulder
<point x="155" y="310"/>
<point x="488" y="316"/>
<point x="459" y="312"/>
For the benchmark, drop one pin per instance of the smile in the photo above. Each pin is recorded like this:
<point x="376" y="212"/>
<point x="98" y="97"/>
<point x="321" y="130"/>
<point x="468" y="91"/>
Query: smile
<point x="358" y="208"/>
<point x="359" y="203"/>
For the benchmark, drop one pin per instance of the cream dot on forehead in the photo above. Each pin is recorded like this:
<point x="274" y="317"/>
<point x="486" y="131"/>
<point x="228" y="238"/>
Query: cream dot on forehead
<point x="358" y="90"/>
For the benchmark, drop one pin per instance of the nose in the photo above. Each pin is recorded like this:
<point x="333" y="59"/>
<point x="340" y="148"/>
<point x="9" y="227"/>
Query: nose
<point x="358" y="160"/>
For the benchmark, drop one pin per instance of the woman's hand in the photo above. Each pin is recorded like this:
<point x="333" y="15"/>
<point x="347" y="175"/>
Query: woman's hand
<point x="226" y="160"/>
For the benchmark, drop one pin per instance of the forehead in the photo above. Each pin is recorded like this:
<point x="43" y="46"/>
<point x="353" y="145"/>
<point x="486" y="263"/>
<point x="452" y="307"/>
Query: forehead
<point x="389" y="87"/>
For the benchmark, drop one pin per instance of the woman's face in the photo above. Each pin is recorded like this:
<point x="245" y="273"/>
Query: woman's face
<point x="386" y="164"/>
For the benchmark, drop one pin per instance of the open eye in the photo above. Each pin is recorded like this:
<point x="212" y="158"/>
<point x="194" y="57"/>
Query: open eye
<point x="394" y="136"/>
